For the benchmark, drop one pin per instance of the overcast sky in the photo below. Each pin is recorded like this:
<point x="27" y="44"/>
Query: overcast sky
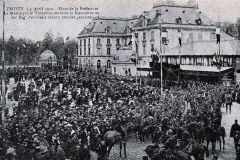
<point x="224" y="10"/>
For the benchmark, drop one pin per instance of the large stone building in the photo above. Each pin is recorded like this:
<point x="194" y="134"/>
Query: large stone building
<point x="187" y="24"/>
<point x="100" y="40"/>
<point x="182" y="34"/>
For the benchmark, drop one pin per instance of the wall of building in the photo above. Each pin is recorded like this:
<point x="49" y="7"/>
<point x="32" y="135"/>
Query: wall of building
<point x="172" y="36"/>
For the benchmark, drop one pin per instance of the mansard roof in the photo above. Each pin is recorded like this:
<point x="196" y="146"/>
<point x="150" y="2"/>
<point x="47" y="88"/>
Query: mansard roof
<point x="169" y="13"/>
<point x="116" y="25"/>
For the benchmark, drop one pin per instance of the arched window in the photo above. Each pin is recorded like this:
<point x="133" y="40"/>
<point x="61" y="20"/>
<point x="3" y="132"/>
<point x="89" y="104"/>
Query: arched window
<point x="108" y="64"/>
<point x="89" y="63"/>
<point x="108" y="29"/>
<point x="98" y="64"/>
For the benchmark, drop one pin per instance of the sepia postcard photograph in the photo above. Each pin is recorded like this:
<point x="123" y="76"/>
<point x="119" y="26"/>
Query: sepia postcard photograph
<point x="119" y="80"/>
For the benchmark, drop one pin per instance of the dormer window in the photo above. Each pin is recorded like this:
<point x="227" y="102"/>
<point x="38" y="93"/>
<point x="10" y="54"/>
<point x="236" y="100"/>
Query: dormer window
<point x="198" y="21"/>
<point x="179" y="20"/>
<point x="129" y="29"/>
<point x="108" y="29"/>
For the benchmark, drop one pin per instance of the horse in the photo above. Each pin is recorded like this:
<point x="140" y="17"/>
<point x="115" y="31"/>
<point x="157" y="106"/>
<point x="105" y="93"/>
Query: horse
<point x="196" y="150"/>
<point x="192" y="129"/>
<point x="149" y="130"/>
<point x="109" y="139"/>
<point x="129" y="128"/>
<point x="162" y="153"/>
<point x="211" y="136"/>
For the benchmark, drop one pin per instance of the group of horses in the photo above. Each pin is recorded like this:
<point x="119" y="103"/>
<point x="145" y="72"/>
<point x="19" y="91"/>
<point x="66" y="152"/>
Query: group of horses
<point x="174" y="140"/>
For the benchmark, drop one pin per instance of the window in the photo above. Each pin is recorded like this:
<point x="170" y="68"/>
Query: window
<point x="85" y="51"/>
<point x="89" y="51"/>
<point x="80" y="50"/>
<point x="137" y="48"/>
<point x="108" y="64"/>
<point x="136" y="35"/>
<point x="144" y="49"/>
<point x="98" y="64"/>
<point x="152" y="47"/>
<point x="80" y="42"/>
<point x="144" y="36"/>
<point x="84" y="42"/>
<point x="108" y="51"/>
<point x="108" y="29"/>
<point x="125" y="41"/>
<point x="98" y="41"/>
<point x="108" y="41"/>
<point x="89" y="41"/>
<point x="118" y="41"/>
<point x="89" y="63"/>
<point x="152" y="35"/>
<point x="179" y="20"/>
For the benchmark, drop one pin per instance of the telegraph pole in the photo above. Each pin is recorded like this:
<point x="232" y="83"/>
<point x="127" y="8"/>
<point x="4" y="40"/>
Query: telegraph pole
<point x="3" y="94"/>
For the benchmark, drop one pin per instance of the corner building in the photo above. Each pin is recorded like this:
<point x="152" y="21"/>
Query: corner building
<point x="101" y="39"/>
<point x="163" y="27"/>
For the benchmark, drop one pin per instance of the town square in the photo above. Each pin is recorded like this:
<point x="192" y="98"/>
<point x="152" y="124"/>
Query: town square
<point x="162" y="84"/>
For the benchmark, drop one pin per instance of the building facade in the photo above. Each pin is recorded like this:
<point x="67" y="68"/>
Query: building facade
<point x="100" y="41"/>
<point x="181" y="34"/>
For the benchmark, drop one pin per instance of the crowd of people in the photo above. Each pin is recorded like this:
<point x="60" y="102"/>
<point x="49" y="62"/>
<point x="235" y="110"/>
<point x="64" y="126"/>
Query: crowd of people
<point x="63" y="114"/>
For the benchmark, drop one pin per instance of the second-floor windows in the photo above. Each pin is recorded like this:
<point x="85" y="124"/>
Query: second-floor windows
<point x="118" y="41"/>
<point x="98" y="41"/>
<point x="108" y="51"/>
<point x="108" y="41"/>
<point x="144" y="36"/>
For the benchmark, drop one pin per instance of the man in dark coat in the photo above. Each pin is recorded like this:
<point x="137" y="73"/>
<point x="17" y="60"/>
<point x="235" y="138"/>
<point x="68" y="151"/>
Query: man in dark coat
<point x="234" y="129"/>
